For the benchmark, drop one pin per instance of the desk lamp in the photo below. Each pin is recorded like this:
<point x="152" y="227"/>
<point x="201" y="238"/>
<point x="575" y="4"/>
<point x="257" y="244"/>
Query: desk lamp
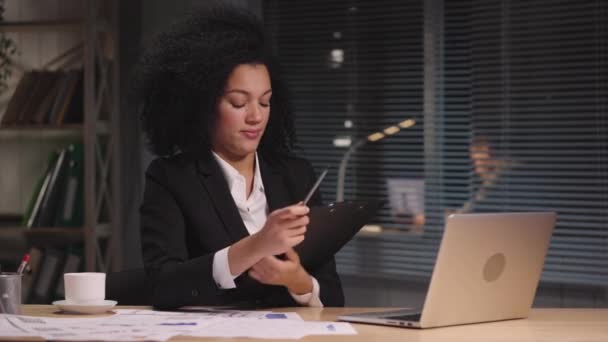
<point x="376" y="136"/>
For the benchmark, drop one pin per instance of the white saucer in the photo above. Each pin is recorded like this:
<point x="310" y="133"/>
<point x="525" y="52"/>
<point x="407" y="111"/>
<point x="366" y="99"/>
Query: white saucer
<point x="96" y="308"/>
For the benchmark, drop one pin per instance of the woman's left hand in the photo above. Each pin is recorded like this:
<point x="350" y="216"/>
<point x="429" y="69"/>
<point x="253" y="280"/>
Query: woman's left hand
<point x="288" y="272"/>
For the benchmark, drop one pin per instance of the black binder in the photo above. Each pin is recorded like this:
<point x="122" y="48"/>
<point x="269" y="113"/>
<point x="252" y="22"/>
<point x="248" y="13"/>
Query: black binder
<point x="331" y="227"/>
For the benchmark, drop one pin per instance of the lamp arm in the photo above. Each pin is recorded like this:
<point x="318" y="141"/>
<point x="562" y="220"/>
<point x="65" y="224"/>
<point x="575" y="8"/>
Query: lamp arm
<point x="342" y="169"/>
<point x="373" y="138"/>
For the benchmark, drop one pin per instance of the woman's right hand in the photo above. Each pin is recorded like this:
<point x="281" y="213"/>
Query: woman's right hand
<point x="283" y="230"/>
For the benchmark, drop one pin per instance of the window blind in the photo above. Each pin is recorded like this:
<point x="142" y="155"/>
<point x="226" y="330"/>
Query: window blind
<point x="356" y="67"/>
<point x="516" y="121"/>
<point x="540" y="89"/>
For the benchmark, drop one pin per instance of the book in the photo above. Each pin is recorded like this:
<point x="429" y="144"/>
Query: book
<point x="46" y="279"/>
<point x="71" y="210"/>
<point x="63" y="105"/>
<point x="34" y="213"/>
<point x="33" y="268"/>
<point x="61" y="86"/>
<point x="52" y="196"/>
<point x="43" y="85"/>
<point x="42" y="113"/>
<point x="74" y="112"/>
<point x="19" y="98"/>
<point x="32" y="201"/>
<point x="46" y="97"/>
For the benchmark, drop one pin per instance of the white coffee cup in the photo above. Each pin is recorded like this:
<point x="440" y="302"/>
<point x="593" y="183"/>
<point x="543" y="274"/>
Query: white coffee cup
<point x="85" y="288"/>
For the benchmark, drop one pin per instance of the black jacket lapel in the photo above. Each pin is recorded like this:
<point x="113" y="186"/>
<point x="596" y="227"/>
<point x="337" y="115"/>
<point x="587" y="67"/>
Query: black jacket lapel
<point x="217" y="188"/>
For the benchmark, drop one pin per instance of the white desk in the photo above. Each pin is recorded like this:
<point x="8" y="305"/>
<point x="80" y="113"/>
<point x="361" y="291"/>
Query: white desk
<point x="543" y="325"/>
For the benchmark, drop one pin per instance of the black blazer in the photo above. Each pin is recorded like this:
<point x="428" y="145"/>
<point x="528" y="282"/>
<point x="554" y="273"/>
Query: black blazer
<point x="188" y="214"/>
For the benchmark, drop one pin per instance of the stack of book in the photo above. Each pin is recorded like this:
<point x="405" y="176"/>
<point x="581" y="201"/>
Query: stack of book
<point x="44" y="281"/>
<point x="46" y="98"/>
<point x="57" y="200"/>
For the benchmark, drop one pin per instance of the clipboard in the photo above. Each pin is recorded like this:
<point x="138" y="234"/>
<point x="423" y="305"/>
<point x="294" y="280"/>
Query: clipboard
<point x="331" y="227"/>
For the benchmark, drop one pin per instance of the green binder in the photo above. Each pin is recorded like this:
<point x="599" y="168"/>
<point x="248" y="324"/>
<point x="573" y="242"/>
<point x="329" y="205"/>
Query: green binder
<point x="71" y="210"/>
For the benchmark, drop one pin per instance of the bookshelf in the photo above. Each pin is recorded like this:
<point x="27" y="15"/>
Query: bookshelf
<point x="60" y="236"/>
<point x="73" y="24"/>
<point x="91" y="27"/>
<point x="48" y="131"/>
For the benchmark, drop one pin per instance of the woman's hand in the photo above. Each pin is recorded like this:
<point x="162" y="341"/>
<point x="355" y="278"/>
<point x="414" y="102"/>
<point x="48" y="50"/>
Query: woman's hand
<point x="283" y="230"/>
<point x="289" y="273"/>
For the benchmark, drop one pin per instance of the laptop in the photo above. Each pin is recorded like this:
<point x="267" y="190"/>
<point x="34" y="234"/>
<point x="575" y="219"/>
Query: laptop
<point x="487" y="269"/>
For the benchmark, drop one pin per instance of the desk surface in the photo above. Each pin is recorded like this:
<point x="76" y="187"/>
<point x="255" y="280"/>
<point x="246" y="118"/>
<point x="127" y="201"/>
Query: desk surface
<point x="589" y="325"/>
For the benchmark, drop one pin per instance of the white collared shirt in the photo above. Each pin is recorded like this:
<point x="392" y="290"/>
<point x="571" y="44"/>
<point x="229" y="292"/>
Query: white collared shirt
<point x="253" y="211"/>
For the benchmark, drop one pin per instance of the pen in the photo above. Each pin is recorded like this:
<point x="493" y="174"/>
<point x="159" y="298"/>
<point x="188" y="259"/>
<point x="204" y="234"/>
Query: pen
<point x="23" y="264"/>
<point x="315" y="186"/>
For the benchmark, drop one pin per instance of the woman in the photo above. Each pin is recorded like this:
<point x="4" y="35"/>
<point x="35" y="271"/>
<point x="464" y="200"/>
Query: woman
<point x="221" y="201"/>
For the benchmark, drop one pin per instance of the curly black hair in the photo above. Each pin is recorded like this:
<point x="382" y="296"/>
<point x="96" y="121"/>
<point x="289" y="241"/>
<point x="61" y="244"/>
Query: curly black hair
<point x="178" y="81"/>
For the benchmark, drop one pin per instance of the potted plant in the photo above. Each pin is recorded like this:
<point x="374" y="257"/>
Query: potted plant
<point x="7" y="50"/>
